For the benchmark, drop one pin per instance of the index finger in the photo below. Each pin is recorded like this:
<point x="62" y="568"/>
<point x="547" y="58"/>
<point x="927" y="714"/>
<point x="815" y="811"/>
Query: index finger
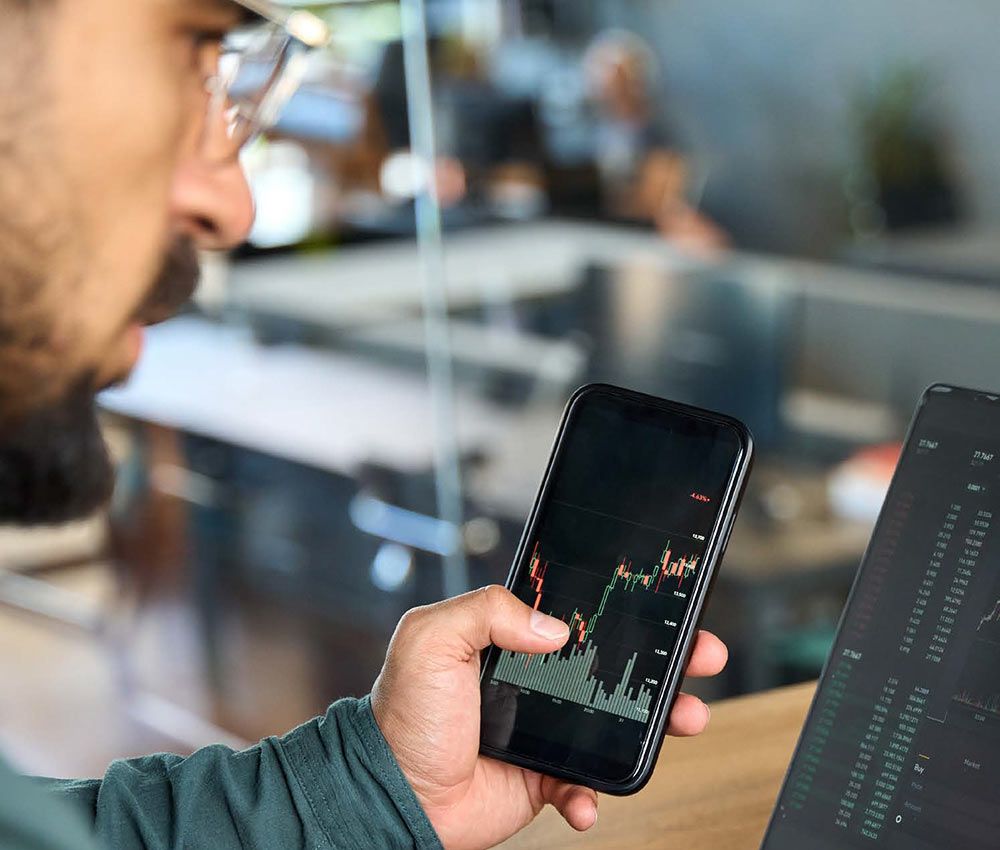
<point x="709" y="656"/>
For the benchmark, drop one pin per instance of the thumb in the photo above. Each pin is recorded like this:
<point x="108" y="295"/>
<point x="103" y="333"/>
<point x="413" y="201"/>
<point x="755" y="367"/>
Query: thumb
<point x="495" y="615"/>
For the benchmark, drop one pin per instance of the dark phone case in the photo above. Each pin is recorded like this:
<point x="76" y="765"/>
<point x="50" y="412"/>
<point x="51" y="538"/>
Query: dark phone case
<point x="714" y="550"/>
<point x="850" y="597"/>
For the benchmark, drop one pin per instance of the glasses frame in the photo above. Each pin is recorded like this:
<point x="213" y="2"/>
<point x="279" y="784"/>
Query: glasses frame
<point x="295" y="35"/>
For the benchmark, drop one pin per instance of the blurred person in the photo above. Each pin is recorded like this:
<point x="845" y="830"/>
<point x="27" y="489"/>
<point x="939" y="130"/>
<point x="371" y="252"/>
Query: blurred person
<point x="388" y="122"/>
<point x="121" y="158"/>
<point x="604" y="148"/>
<point x="489" y="141"/>
<point x="643" y="174"/>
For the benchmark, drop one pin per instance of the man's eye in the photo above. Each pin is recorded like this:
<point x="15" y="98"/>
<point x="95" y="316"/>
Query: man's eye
<point x="209" y="36"/>
<point x="207" y="41"/>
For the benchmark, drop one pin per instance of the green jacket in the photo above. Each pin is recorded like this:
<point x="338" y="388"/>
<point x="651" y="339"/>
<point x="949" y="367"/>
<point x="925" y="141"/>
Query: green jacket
<point x="331" y="783"/>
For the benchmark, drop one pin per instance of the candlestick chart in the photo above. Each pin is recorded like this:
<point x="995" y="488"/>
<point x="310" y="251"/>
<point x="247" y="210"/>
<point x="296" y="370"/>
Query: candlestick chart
<point x="623" y="611"/>
<point x="624" y="578"/>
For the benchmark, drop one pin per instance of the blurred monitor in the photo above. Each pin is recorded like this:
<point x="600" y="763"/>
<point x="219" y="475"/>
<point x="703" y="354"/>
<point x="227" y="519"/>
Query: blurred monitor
<point x="711" y="338"/>
<point x="891" y="352"/>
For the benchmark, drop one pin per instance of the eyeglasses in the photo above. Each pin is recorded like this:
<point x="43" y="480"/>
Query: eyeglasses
<point x="262" y="66"/>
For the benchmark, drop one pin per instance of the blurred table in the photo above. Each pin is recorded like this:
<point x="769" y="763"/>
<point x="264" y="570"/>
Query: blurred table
<point x="350" y="287"/>
<point x="326" y="410"/>
<point x="714" y="792"/>
<point x="369" y="284"/>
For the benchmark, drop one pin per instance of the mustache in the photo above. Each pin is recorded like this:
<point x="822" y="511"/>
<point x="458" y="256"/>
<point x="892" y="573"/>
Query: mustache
<point x="174" y="285"/>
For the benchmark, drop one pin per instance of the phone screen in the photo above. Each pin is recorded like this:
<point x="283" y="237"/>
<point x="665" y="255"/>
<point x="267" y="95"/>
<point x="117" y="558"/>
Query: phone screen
<point x="615" y="546"/>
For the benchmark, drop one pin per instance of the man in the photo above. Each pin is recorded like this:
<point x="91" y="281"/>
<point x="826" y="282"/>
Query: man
<point x="120" y="148"/>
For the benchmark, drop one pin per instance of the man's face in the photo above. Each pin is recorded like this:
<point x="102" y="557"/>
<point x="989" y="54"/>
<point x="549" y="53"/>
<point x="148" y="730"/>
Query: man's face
<point x="110" y="175"/>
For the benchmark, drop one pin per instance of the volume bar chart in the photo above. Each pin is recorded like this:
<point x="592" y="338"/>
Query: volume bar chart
<point x="569" y="677"/>
<point x="989" y="704"/>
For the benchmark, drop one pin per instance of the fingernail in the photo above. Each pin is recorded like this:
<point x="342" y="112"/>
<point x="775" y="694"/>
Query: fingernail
<point x="708" y="712"/>
<point x="548" y="627"/>
<point x="594" y="821"/>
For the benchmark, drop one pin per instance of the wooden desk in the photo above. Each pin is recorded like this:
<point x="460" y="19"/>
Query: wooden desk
<point x="714" y="792"/>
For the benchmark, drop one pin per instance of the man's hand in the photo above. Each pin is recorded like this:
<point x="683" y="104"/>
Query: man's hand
<point x="426" y="702"/>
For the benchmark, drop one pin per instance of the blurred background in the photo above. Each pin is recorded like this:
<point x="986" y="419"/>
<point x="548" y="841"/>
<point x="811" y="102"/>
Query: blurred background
<point x="787" y="210"/>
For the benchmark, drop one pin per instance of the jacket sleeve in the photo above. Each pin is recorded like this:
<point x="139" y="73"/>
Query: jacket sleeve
<point x="331" y="783"/>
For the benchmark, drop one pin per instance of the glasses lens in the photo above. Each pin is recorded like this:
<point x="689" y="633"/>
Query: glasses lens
<point x="260" y="70"/>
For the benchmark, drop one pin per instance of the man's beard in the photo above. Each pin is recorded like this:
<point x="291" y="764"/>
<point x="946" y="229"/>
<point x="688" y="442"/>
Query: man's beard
<point x="54" y="465"/>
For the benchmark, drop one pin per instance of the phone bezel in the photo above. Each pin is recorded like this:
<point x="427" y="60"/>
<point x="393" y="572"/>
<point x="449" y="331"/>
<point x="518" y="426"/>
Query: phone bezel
<point x="714" y="548"/>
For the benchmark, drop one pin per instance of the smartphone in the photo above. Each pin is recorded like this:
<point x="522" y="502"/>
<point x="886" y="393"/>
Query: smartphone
<point x="631" y="519"/>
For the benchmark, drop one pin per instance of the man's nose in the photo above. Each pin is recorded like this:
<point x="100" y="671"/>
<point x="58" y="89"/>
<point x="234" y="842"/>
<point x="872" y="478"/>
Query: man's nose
<point x="211" y="199"/>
